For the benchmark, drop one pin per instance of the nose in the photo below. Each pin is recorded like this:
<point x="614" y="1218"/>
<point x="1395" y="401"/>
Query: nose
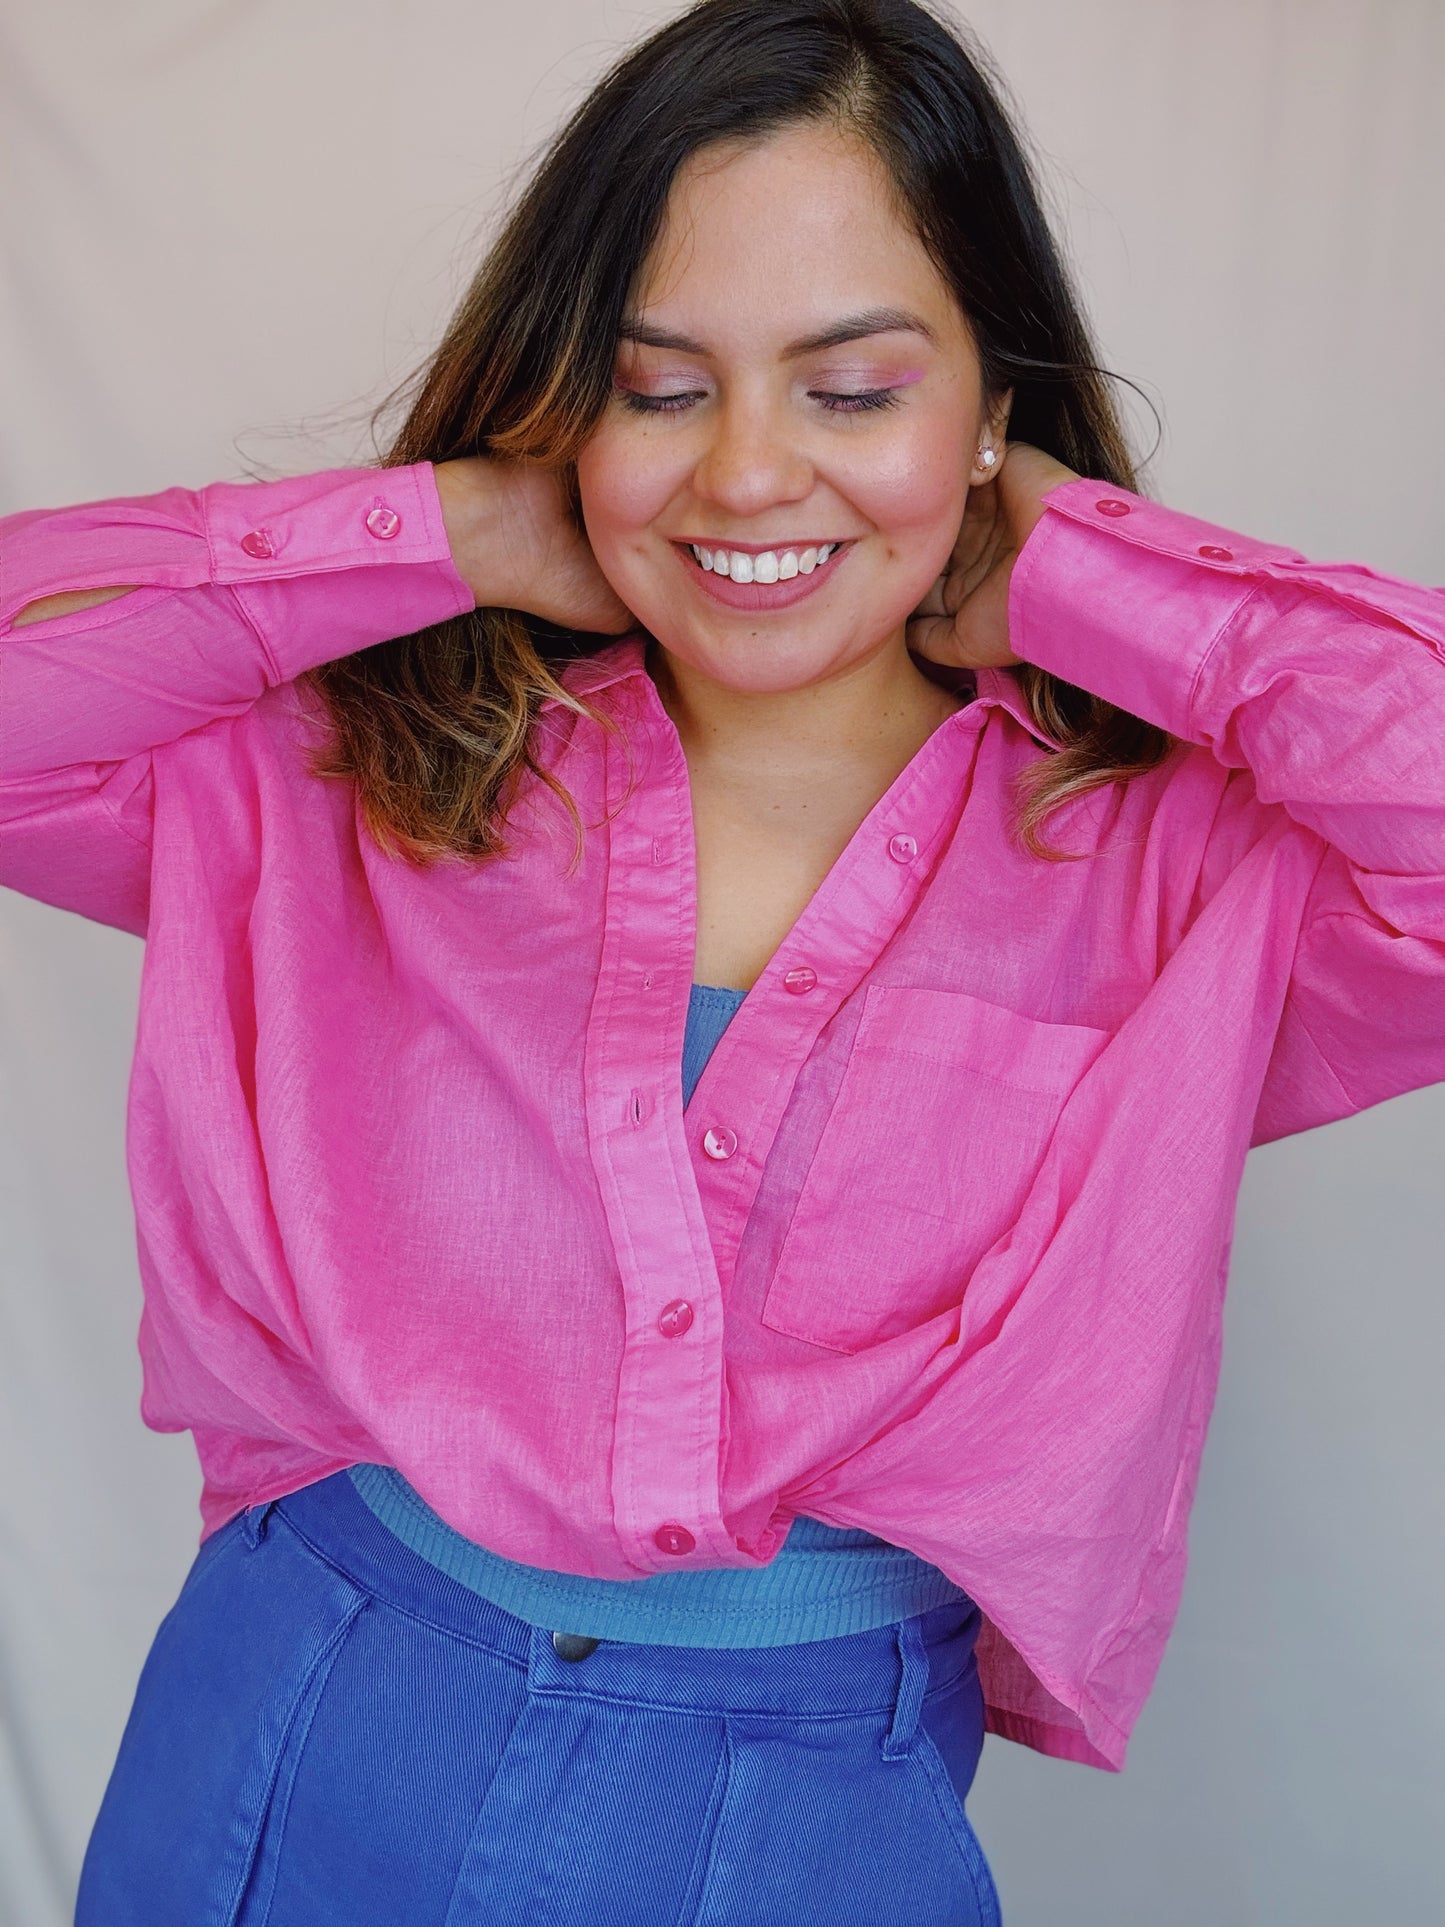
<point x="752" y="459"/>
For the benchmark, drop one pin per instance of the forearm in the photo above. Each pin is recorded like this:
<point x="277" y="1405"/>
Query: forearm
<point x="1323" y="686"/>
<point x="231" y="589"/>
<point x="1326" y="681"/>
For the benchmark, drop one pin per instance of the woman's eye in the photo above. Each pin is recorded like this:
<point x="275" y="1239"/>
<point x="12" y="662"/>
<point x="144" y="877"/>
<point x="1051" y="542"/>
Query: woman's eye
<point x="655" y="404"/>
<point x="856" y="404"/>
<point x="834" y="403"/>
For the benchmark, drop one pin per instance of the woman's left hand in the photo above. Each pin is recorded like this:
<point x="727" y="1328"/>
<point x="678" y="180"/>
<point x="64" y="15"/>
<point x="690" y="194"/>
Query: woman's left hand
<point x="963" y="620"/>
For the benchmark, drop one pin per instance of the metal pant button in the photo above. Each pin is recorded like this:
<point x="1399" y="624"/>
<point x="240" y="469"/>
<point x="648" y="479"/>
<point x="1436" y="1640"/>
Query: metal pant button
<point x="574" y="1645"/>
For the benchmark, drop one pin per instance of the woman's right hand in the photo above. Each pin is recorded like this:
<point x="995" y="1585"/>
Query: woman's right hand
<point x="516" y="545"/>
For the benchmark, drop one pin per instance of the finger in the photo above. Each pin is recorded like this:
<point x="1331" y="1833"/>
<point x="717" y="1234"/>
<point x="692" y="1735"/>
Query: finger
<point x="934" y="604"/>
<point x="981" y="631"/>
<point x="935" y="639"/>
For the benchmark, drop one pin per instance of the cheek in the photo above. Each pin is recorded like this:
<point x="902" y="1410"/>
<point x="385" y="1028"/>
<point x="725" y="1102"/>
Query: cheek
<point x="625" y="480"/>
<point x="913" y="486"/>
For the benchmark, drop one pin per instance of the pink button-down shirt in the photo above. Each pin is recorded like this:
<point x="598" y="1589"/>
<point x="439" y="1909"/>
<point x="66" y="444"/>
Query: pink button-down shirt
<point x="950" y="1211"/>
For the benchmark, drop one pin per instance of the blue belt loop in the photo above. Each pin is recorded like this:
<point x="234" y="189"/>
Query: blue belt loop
<point x="912" y="1685"/>
<point x="253" y="1521"/>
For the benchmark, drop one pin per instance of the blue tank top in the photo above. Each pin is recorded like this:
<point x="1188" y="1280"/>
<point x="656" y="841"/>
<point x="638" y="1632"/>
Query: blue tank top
<point x="822" y="1582"/>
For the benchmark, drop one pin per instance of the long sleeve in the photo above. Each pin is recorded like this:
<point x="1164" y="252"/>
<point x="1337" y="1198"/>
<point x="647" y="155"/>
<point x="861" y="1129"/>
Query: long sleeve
<point x="239" y="588"/>
<point x="1325" y="682"/>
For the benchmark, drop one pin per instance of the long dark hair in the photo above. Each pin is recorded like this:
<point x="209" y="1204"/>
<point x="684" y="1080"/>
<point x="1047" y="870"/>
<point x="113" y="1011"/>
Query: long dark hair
<point x="437" y="727"/>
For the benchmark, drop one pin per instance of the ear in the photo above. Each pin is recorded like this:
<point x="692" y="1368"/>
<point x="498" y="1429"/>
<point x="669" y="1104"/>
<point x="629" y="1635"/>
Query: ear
<point x="992" y="431"/>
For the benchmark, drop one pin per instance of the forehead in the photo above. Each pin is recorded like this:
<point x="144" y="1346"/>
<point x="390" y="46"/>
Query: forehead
<point x="783" y="233"/>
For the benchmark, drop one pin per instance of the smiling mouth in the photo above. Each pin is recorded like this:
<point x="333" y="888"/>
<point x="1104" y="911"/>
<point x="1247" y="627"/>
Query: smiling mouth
<point x="779" y="564"/>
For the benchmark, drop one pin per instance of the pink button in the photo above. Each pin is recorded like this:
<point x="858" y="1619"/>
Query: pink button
<point x="903" y="849"/>
<point x="720" y="1142"/>
<point x="674" y="1319"/>
<point x="382" y="522"/>
<point x="258" y="543"/>
<point x="801" y="980"/>
<point x="673" y="1539"/>
<point x="1112" y="506"/>
<point x="1216" y="554"/>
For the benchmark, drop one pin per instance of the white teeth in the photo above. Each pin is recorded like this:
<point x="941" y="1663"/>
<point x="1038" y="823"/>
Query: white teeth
<point x="773" y="565"/>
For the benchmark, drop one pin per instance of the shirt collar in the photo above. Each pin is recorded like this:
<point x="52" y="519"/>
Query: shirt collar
<point x="615" y="662"/>
<point x="997" y="686"/>
<point x="625" y="659"/>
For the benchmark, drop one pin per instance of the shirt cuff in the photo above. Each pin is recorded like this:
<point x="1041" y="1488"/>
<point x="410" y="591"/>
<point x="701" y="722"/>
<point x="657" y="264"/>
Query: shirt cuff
<point x="1125" y="598"/>
<point x="329" y="563"/>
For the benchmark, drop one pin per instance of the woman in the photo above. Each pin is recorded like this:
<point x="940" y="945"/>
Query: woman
<point x="688" y="1231"/>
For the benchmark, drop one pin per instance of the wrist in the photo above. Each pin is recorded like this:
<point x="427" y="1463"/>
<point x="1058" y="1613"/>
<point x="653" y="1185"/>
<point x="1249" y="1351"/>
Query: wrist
<point x="471" y="495"/>
<point x="1030" y="475"/>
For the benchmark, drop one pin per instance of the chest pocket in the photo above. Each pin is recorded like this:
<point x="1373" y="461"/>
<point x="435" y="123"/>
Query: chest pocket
<point x="943" y="1116"/>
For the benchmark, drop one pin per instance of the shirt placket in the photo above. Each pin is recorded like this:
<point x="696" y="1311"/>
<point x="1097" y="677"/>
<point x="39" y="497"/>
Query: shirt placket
<point x="670" y="1415"/>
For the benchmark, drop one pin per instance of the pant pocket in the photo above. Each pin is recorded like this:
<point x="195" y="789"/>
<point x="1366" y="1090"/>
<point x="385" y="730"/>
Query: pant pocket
<point x="944" y="1751"/>
<point x="235" y="1667"/>
<point x="818" y="1824"/>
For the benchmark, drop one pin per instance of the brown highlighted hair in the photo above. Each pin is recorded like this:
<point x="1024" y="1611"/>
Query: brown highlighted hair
<point x="437" y="727"/>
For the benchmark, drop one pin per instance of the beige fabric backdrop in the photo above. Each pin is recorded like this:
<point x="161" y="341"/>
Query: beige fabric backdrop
<point x="225" y="221"/>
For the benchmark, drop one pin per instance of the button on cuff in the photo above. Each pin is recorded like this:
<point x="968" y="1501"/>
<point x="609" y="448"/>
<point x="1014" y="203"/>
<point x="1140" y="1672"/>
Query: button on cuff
<point x="382" y="521"/>
<point x="675" y="1539"/>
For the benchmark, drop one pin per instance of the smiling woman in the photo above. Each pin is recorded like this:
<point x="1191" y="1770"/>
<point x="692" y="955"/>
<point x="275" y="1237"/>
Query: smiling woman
<point x="772" y="231"/>
<point x="795" y="386"/>
<point x="793" y="398"/>
<point x="691" y="1312"/>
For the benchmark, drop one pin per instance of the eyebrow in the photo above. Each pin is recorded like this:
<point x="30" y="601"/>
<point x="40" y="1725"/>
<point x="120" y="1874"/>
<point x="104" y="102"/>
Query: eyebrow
<point x="852" y="327"/>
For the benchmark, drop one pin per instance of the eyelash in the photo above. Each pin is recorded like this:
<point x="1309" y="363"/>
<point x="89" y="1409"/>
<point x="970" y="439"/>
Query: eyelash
<point x="859" y="404"/>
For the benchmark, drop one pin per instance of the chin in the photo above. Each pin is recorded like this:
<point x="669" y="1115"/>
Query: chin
<point x="754" y="668"/>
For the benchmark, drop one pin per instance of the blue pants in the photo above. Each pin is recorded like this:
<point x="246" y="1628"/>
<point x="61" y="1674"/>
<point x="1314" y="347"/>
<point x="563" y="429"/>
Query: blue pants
<point x="330" y="1732"/>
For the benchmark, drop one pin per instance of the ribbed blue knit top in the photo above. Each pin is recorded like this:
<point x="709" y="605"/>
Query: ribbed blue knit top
<point x="822" y="1582"/>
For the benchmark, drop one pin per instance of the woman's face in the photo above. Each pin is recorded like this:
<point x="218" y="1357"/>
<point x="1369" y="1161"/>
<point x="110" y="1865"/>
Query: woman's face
<point x="794" y="374"/>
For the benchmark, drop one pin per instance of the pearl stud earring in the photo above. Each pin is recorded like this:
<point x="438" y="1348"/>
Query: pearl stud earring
<point x="988" y="458"/>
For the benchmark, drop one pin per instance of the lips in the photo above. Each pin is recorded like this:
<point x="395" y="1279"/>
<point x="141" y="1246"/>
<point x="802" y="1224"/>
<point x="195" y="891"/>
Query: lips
<point x="755" y="596"/>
